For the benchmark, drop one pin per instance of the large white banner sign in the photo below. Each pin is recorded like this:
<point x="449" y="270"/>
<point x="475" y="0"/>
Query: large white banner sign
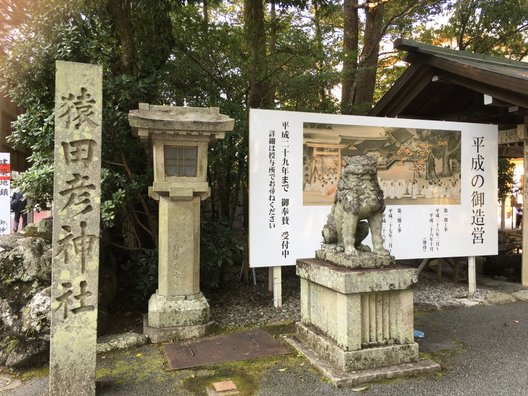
<point x="439" y="181"/>
<point x="5" y="193"/>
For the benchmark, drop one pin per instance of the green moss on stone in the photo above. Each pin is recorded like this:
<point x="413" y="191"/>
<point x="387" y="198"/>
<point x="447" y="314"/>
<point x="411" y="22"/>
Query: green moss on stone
<point x="245" y="374"/>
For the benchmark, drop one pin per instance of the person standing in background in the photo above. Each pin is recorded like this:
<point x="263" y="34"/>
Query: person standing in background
<point x="18" y="206"/>
<point x="518" y="218"/>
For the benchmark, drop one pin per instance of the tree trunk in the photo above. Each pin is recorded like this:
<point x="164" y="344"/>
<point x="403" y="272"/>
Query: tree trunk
<point x="119" y="11"/>
<point x="446" y="166"/>
<point x="259" y="96"/>
<point x="205" y="15"/>
<point x="320" y="52"/>
<point x="368" y="62"/>
<point x="274" y="27"/>
<point x="430" y="170"/>
<point x="350" y="54"/>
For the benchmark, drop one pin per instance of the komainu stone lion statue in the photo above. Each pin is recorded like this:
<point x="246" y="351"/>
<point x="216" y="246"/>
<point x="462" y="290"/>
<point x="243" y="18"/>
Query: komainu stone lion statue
<point x="358" y="197"/>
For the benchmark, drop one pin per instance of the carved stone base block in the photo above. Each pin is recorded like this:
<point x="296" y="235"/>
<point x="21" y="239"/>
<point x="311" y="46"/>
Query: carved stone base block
<point x="177" y="318"/>
<point x="342" y="378"/>
<point x="361" y="359"/>
<point x="363" y="259"/>
<point x="357" y="318"/>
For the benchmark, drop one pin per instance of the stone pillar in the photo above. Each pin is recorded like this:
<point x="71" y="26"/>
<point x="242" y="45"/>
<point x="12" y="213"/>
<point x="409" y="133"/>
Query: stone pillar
<point x="183" y="247"/>
<point x="357" y="318"/>
<point x="179" y="137"/>
<point x="76" y="197"/>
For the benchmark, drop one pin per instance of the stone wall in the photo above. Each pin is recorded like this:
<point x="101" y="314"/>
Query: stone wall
<point x="25" y="277"/>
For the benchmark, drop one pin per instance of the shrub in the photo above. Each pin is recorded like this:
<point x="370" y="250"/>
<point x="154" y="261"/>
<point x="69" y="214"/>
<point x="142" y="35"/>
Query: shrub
<point x="218" y="249"/>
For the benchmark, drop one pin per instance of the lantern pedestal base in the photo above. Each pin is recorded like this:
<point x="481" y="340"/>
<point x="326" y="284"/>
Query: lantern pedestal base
<point x="175" y="318"/>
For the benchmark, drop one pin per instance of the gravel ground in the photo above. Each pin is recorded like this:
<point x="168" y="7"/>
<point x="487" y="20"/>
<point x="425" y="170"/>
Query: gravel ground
<point x="248" y="305"/>
<point x="485" y="347"/>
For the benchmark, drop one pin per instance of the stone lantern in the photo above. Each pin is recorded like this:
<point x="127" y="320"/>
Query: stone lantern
<point x="179" y="137"/>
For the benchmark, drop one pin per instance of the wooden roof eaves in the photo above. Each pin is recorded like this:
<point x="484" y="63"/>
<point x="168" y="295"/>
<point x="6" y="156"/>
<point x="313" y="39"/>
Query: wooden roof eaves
<point x="476" y="74"/>
<point x="503" y="94"/>
<point x="412" y="46"/>
<point x="404" y="90"/>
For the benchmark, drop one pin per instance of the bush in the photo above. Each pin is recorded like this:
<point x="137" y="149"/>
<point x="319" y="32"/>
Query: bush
<point x="139" y="277"/>
<point x="219" y="246"/>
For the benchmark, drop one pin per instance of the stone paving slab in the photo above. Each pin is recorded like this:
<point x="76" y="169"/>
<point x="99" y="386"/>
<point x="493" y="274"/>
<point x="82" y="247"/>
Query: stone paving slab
<point x="342" y="379"/>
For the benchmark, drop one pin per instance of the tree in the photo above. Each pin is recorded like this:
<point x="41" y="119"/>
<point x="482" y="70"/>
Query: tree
<point x="259" y="91"/>
<point x="488" y="27"/>
<point x="99" y="33"/>
<point x="441" y="145"/>
<point x="350" y="53"/>
<point x="12" y="14"/>
<point x="306" y="55"/>
<point x="361" y="43"/>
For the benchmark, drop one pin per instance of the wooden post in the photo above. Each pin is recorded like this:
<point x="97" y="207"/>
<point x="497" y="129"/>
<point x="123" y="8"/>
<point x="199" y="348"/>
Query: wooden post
<point x="472" y="275"/>
<point x="276" y="283"/>
<point x="503" y="215"/>
<point x="521" y="129"/>
<point x="422" y="265"/>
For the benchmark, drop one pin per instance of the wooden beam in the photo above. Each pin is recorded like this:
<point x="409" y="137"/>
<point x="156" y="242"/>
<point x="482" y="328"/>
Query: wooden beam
<point x="522" y="131"/>
<point x="491" y="101"/>
<point x="511" y="152"/>
<point x="509" y="136"/>
<point x="501" y="93"/>
<point x="404" y="90"/>
<point x="524" y="271"/>
<point x="493" y="79"/>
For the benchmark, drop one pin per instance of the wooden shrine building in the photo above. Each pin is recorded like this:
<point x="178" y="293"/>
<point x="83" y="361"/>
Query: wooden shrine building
<point x="451" y="85"/>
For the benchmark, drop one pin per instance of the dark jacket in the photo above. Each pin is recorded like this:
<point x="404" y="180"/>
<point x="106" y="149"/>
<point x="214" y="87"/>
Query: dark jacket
<point x="18" y="202"/>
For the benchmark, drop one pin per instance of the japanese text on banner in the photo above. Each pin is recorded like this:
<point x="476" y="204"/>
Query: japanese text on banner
<point x="477" y="195"/>
<point x="285" y="184"/>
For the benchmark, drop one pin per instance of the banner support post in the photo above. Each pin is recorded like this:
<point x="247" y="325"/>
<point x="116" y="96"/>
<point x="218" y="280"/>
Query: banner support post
<point x="472" y="275"/>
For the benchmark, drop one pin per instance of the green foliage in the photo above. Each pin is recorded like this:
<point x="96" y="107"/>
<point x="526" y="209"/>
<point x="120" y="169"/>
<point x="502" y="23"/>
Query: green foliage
<point x="138" y="277"/>
<point x="219" y="248"/>
<point x="84" y="32"/>
<point x="409" y="19"/>
<point x="109" y="207"/>
<point x="9" y="343"/>
<point x="177" y="55"/>
<point x="488" y="26"/>
<point x="506" y="183"/>
<point x="481" y="26"/>
<point x="37" y="183"/>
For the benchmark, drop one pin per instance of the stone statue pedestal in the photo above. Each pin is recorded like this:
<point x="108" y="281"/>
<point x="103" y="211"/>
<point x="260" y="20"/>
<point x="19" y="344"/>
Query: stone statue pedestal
<point x="356" y="319"/>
